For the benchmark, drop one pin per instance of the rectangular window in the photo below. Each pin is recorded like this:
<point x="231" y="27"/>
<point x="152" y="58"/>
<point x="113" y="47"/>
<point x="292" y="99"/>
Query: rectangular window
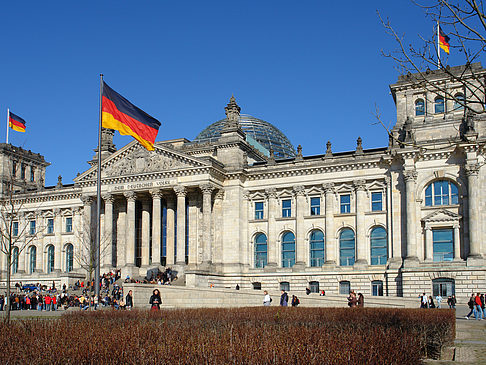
<point x="344" y="287"/>
<point x="376" y="202"/>
<point x="22" y="171"/>
<point x="69" y="224"/>
<point x="32" y="227"/>
<point x="258" y="210"/>
<point x="315" y="206"/>
<point x="443" y="241"/>
<point x="345" y="203"/>
<point x="50" y="226"/>
<point x="377" y="288"/>
<point x="14" y="169"/>
<point x="32" y="174"/>
<point x="15" y="229"/>
<point x="286" y="208"/>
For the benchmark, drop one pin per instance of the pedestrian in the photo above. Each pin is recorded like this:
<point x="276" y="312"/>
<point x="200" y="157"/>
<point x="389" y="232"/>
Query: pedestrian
<point x="295" y="301"/>
<point x="479" y="310"/>
<point x="307" y="291"/>
<point x="439" y="300"/>
<point x="423" y="301"/>
<point x="266" y="299"/>
<point x="352" y="300"/>
<point x="284" y="299"/>
<point x="431" y="302"/>
<point x="470" y="304"/>
<point x="129" y="300"/>
<point x="155" y="300"/>
<point x="360" y="300"/>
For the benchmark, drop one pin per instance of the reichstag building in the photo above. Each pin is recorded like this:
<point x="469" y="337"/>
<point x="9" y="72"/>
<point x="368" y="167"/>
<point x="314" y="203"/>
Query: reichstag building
<point x="240" y="204"/>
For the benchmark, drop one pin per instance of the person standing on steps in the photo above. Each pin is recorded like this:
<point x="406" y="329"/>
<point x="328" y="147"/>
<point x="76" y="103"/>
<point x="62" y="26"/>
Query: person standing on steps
<point x="129" y="300"/>
<point x="155" y="300"/>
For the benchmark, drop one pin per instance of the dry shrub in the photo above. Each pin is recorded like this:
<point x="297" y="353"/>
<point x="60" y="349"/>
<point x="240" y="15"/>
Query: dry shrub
<point x="238" y="336"/>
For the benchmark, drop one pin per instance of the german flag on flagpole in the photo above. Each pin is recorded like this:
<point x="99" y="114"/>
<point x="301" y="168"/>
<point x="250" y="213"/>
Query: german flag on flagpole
<point x="15" y="122"/>
<point x="443" y="41"/>
<point x="119" y="114"/>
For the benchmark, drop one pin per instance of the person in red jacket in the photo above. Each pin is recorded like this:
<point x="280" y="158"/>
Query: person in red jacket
<point x="53" y="303"/>
<point x="47" y="301"/>
<point x="479" y="310"/>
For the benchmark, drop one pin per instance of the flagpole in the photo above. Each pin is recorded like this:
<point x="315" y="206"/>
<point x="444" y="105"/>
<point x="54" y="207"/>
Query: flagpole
<point x="98" y="202"/>
<point x="438" y="46"/>
<point x="8" y="122"/>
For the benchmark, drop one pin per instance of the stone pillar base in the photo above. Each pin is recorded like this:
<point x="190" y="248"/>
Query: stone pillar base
<point x="476" y="260"/>
<point x="360" y="264"/>
<point x="329" y="264"/>
<point x="298" y="266"/>
<point x="411" y="261"/>
<point x="394" y="263"/>
<point x="270" y="267"/>
<point x="130" y="270"/>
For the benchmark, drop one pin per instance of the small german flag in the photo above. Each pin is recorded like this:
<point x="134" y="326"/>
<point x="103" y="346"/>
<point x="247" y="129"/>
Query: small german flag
<point x="15" y="122"/>
<point x="119" y="114"/>
<point x="443" y="41"/>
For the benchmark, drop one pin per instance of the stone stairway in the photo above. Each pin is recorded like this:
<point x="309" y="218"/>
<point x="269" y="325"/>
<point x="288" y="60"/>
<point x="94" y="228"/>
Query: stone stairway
<point x="184" y="297"/>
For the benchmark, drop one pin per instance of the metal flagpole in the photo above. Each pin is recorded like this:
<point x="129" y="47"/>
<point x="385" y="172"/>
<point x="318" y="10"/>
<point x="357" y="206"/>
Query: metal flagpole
<point x="8" y="122"/>
<point x="98" y="203"/>
<point x="438" y="46"/>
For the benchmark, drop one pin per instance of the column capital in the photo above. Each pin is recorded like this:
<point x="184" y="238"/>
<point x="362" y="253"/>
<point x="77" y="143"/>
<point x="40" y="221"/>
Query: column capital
<point x="359" y="185"/>
<point x="87" y="199"/>
<point x="410" y="175"/>
<point x="77" y="210"/>
<point x="131" y="196"/>
<point x="180" y="190"/>
<point x="299" y="190"/>
<point x="471" y="169"/>
<point x="108" y="198"/>
<point x="56" y="211"/>
<point x="328" y="188"/>
<point x="207" y="188"/>
<point x="455" y="225"/>
<point x="156" y="193"/>
<point x="271" y="193"/>
<point x="220" y="195"/>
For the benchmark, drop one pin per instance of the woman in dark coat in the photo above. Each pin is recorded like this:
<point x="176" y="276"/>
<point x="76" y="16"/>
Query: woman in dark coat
<point x="155" y="300"/>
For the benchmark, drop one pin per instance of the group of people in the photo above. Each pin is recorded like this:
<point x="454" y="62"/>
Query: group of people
<point x="428" y="301"/>
<point x="476" y="306"/>
<point x="355" y="301"/>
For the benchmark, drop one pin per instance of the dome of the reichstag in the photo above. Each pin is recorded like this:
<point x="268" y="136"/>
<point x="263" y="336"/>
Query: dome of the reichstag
<point x="266" y="134"/>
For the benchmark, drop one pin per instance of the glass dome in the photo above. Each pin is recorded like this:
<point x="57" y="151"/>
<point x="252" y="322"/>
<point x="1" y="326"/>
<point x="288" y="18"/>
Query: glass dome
<point x="265" y="134"/>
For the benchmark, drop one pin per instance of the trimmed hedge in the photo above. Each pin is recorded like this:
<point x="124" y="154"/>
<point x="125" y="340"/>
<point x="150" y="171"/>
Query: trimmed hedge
<point x="239" y="336"/>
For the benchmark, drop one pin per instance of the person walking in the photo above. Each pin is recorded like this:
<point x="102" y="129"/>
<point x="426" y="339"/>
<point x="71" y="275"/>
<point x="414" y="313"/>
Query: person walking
<point x="360" y="300"/>
<point x="471" y="304"/>
<point x="266" y="299"/>
<point x="424" y="301"/>
<point x="479" y="310"/>
<point x="129" y="300"/>
<point x="295" y="301"/>
<point x="155" y="300"/>
<point x="431" y="302"/>
<point x="438" y="298"/>
<point x="284" y="299"/>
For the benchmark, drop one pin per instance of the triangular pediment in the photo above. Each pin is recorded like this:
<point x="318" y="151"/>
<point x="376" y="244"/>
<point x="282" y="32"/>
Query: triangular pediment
<point x="442" y="215"/>
<point x="133" y="159"/>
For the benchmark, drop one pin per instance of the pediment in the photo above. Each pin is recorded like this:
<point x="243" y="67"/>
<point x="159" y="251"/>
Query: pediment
<point x="133" y="159"/>
<point x="442" y="215"/>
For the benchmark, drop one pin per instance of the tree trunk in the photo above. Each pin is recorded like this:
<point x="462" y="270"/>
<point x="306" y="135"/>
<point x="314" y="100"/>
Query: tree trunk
<point x="7" y="296"/>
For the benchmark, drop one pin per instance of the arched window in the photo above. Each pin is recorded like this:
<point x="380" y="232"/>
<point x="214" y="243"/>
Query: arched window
<point x="419" y="107"/>
<point x="459" y="101"/>
<point x="441" y="192"/>
<point x="439" y="105"/>
<point x="260" y="250"/>
<point x="33" y="259"/>
<point x="316" y="241"/>
<point x="378" y="246"/>
<point x="443" y="287"/>
<point x="15" y="260"/>
<point x="50" y="259"/>
<point x="346" y="247"/>
<point x="69" y="257"/>
<point x="288" y="249"/>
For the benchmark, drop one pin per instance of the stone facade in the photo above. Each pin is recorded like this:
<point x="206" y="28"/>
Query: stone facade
<point x="397" y="221"/>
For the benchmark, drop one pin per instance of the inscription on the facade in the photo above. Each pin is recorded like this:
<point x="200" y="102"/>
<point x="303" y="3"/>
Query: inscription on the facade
<point x="144" y="185"/>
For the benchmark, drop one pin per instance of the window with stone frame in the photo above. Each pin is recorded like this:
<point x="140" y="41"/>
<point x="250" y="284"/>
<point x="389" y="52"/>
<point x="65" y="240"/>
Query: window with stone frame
<point x="419" y="107"/>
<point x="441" y="192"/>
<point x="345" y="203"/>
<point x="15" y="260"/>
<point x="347" y="249"/>
<point x="69" y="224"/>
<point x="50" y="259"/>
<point x="344" y="287"/>
<point x="32" y="174"/>
<point x="439" y="105"/>
<point x="316" y="242"/>
<point x="257" y="285"/>
<point x="286" y="208"/>
<point x="15" y="229"/>
<point x="444" y="287"/>
<point x="315" y="205"/>
<point x="69" y="257"/>
<point x="376" y="201"/>
<point x="314" y="286"/>
<point x="288" y="249"/>
<point x="285" y="285"/>
<point x="32" y="227"/>
<point x="443" y="244"/>
<point x="377" y="288"/>
<point x="261" y="253"/>
<point x="378" y="246"/>
<point x="459" y="101"/>
<point x="50" y="226"/>
<point x="33" y="259"/>
<point x="258" y="210"/>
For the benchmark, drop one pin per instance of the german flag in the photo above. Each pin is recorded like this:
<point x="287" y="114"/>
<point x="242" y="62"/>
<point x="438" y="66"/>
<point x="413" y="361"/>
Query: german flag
<point x="119" y="114"/>
<point x="443" y="41"/>
<point x="15" y="122"/>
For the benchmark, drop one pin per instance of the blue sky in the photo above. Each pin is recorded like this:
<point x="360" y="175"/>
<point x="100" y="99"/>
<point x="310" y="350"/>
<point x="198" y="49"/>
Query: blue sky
<point x="312" y="68"/>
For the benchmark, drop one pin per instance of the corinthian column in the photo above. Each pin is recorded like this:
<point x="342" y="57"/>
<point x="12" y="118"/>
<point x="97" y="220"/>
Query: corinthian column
<point x="300" y="234"/>
<point x="170" y="238"/>
<point x="145" y="233"/>
<point x="57" y="239"/>
<point x="130" y="225"/>
<point x="473" y="190"/>
<point x="360" y="188"/>
<point x="181" y="224"/>
<point x="272" y="229"/>
<point x="156" y="226"/>
<point x="207" y="190"/>
<point x="330" y="234"/>
<point x="410" y="176"/>
<point x="106" y="248"/>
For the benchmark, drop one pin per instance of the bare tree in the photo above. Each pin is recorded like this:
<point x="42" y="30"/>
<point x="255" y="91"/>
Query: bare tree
<point x="14" y="232"/>
<point x="464" y="22"/>
<point x="85" y="255"/>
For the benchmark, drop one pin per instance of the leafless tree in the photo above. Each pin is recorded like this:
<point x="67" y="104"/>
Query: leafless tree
<point x="14" y="232"/>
